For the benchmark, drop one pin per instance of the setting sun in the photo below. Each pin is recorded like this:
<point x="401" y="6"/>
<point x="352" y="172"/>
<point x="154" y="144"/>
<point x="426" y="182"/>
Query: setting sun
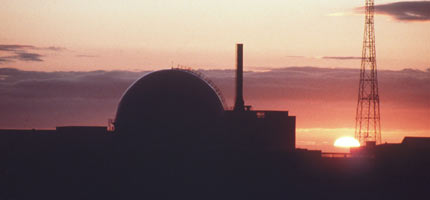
<point x="346" y="142"/>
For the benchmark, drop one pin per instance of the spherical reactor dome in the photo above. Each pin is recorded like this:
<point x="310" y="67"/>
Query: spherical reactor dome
<point x="172" y="102"/>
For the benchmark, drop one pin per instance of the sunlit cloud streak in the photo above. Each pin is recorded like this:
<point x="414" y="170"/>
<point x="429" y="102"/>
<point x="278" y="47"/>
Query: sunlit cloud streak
<point x="86" y="56"/>
<point x="328" y="57"/>
<point x="342" y="57"/>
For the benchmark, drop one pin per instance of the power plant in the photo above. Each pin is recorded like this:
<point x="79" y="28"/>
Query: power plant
<point x="178" y="107"/>
<point x="174" y="137"/>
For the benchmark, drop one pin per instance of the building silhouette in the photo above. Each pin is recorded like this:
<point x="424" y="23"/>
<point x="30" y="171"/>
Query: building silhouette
<point x="174" y="138"/>
<point x="176" y="107"/>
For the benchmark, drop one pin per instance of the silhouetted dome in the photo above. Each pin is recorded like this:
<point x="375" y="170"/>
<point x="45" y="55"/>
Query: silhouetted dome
<point x="173" y="102"/>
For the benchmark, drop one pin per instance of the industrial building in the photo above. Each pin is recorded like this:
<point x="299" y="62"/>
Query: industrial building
<point x="178" y="107"/>
<point x="260" y="129"/>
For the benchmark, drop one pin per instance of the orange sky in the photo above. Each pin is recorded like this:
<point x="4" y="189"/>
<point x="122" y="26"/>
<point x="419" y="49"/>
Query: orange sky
<point x="140" y="35"/>
<point x="153" y="34"/>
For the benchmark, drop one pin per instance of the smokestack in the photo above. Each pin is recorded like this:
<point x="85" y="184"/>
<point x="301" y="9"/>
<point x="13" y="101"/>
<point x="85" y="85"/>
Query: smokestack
<point x="239" y="104"/>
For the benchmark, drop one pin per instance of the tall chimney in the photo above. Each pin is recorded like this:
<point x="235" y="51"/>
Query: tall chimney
<point x="239" y="104"/>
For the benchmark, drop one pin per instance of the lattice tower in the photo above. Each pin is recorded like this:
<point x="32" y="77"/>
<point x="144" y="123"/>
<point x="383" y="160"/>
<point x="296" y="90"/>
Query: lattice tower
<point x="368" y="121"/>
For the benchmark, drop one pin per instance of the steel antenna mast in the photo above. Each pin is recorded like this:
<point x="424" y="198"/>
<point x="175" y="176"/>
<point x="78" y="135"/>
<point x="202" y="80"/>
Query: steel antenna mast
<point x="368" y="120"/>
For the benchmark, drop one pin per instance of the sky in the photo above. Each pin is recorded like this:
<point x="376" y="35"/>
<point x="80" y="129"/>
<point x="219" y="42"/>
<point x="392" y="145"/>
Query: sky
<point x="152" y="34"/>
<point x="55" y="45"/>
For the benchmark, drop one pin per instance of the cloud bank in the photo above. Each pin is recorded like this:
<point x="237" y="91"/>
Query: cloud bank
<point x="30" y="99"/>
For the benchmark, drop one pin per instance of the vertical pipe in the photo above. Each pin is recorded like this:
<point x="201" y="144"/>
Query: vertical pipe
<point x="239" y="104"/>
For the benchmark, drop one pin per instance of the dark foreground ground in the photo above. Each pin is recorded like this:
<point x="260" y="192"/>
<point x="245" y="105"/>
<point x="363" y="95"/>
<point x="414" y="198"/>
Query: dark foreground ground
<point x="46" y="167"/>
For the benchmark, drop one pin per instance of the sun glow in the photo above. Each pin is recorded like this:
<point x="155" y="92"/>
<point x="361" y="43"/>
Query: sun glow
<point x="346" y="142"/>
